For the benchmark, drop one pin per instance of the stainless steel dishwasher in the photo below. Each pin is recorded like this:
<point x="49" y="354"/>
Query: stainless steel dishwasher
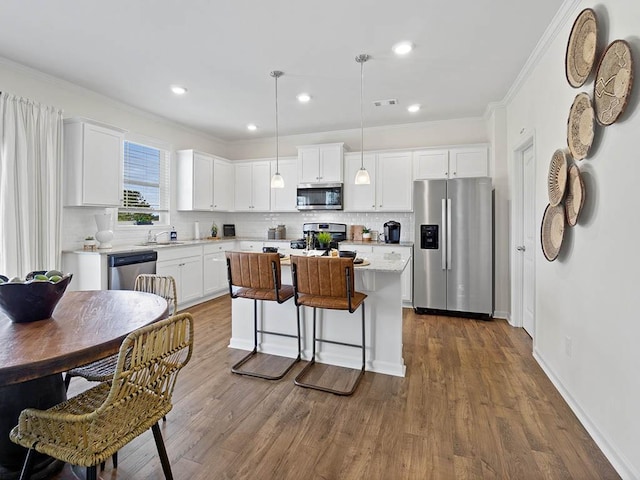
<point x="125" y="267"/>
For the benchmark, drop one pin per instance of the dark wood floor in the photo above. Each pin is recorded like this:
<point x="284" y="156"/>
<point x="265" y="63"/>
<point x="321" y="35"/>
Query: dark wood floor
<point x="474" y="404"/>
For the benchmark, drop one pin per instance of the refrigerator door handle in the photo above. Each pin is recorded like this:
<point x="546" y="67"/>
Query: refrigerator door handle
<point x="442" y="230"/>
<point x="448" y="234"/>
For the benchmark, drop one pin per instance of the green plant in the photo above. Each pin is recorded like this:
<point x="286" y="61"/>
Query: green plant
<point x="366" y="230"/>
<point x="89" y="238"/>
<point x="324" y="238"/>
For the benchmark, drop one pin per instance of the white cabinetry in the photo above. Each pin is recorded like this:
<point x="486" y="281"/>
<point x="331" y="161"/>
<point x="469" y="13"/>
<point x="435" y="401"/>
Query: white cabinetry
<point x="391" y="183"/>
<point x="284" y="199"/>
<point x="253" y="186"/>
<point x="380" y="250"/>
<point x="394" y="185"/>
<point x="214" y="279"/>
<point x="320" y="163"/>
<point x="455" y="162"/>
<point x="407" y="275"/>
<point x="204" y="182"/>
<point x="93" y="158"/>
<point x="359" y="198"/>
<point x="222" y="185"/>
<point x="184" y="264"/>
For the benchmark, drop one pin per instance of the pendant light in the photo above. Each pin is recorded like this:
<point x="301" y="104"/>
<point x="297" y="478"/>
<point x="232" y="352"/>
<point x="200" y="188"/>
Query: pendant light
<point x="362" y="177"/>
<point x="277" y="181"/>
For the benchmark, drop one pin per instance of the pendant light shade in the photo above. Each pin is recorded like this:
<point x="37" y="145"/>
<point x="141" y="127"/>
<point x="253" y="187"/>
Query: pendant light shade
<point x="276" y="180"/>
<point x="362" y="177"/>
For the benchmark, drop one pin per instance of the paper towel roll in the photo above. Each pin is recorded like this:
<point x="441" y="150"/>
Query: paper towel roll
<point x="196" y="231"/>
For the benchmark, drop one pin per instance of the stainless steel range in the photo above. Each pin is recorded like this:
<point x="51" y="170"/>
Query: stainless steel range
<point x="338" y="233"/>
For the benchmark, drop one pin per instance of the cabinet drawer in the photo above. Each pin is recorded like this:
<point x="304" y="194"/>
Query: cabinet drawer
<point x="172" y="253"/>
<point x="217" y="247"/>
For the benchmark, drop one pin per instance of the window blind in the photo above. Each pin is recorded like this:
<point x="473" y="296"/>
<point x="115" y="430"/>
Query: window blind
<point x="145" y="183"/>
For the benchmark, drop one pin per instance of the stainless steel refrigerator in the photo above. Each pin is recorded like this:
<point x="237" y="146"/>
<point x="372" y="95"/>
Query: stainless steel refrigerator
<point x="453" y="251"/>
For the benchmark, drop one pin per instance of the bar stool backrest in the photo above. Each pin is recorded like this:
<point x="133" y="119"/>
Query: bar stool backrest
<point x="324" y="276"/>
<point x="254" y="270"/>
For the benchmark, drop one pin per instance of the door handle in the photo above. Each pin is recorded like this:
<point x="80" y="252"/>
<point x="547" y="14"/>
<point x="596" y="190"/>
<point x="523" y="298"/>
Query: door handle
<point x="520" y="248"/>
<point x="448" y="234"/>
<point x="442" y="230"/>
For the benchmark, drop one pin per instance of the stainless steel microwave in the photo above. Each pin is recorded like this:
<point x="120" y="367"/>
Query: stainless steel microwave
<point x="320" y="196"/>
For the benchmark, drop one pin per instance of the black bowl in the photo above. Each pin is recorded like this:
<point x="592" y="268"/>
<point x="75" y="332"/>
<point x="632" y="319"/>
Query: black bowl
<point x="347" y="253"/>
<point x="29" y="302"/>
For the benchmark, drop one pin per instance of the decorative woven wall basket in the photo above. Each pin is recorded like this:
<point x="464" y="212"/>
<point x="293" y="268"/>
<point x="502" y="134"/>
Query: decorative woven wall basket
<point x="581" y="48"/>
<point x="552" y="231"/>
<point x="575" y="196"/>
<point x="557" y="178"/>
<point x="614" y="79"/>
<point x="580" y="126"/>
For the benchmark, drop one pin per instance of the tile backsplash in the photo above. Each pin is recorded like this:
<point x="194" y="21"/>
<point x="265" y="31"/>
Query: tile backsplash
<point x="79" y="223"/>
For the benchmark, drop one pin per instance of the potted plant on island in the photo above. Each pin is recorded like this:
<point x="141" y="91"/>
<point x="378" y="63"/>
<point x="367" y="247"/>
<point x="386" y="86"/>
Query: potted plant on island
<point x="324" y="239"/>
<point x="366" y="234"/>
<point x="89" y="244"/>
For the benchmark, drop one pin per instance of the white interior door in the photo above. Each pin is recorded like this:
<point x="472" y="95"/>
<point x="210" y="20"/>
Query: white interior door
<point x="528" y="241"/>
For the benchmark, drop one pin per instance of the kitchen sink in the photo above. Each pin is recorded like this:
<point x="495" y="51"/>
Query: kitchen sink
<point x="158" y="244"/>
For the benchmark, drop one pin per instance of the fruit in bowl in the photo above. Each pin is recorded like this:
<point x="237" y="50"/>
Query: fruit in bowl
<point x="33" y="298"/>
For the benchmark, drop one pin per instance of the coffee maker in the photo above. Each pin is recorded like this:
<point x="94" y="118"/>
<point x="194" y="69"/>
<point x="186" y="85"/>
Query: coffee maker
<point x="392" y="232"/>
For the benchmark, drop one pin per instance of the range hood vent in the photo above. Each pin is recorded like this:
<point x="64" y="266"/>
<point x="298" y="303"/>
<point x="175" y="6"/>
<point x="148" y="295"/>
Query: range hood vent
<point x="382" y="103"/>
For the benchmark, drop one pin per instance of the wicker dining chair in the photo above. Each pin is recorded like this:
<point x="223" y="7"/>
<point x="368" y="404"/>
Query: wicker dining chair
<point x="102" y="370"/>
<point x="88" y="428"/>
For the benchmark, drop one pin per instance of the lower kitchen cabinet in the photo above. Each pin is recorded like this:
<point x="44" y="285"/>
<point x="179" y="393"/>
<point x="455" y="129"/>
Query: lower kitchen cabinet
<point x="185" y="266"/>
<point x="364" y="250"/>
<point x="214" y="278"/>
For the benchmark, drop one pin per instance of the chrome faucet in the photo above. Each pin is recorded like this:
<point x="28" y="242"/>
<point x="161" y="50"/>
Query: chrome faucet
<point x="153" y="237"/>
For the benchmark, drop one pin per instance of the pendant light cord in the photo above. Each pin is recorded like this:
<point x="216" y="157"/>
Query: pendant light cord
<point x="361" y="114"/>
<point x="277" y="143"/>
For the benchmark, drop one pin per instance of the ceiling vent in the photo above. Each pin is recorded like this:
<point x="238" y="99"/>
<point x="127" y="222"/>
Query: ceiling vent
<point x="383" y="103"/>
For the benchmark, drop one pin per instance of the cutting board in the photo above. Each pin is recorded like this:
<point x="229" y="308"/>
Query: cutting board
<point x="356" y="232"/>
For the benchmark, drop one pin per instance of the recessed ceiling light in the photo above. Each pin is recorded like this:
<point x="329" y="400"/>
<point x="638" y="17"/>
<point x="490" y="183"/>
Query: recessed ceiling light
<point x="304" y="97"/>
<point x="178" y="89"/>
<point x="402" y="48"/>
<point x="414" y="108"/>
<point x="252" y="126"/>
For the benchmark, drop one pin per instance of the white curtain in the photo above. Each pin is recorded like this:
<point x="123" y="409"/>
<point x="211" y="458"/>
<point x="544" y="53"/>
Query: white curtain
<point x="30" y="186"/>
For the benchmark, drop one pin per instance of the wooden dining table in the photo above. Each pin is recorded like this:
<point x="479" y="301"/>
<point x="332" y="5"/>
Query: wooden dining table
<point x="85" y="326"/>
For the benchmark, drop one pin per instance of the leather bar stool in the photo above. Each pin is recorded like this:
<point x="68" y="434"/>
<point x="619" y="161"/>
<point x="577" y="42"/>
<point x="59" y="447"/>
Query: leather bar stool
<point x="326" y="282"/>
<point x="257" y="276"/>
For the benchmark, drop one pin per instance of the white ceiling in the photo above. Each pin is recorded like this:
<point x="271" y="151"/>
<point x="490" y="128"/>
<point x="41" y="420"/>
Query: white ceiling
<point x="467" y="54"/>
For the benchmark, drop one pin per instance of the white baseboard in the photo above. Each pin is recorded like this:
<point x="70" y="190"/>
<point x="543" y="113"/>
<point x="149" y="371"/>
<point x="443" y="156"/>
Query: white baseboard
<point x="499" y="314"/>
<point x="621" y="464"/>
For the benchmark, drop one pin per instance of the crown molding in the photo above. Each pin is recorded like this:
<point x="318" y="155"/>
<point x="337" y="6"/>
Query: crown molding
<point x="567" y="9"/>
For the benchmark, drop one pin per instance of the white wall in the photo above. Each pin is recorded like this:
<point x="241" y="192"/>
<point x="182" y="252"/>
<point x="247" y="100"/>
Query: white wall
<point x="591" y="293"/>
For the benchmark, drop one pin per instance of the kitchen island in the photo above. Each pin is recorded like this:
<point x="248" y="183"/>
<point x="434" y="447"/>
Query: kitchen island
<point x="380" y="280"/>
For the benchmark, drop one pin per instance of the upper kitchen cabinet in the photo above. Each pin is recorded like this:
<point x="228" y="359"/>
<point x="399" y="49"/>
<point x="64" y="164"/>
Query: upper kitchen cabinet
<point x="222" y="185"/>
<point x="455" y="162"/>
<point x="253" y="186"/>
<point x="394" y="185"/>
<point x="284" y="199"/>
<point x="203" y="182"/>
<point x="469" y="162"/>
<point x="391" y="184"/>
<point x="359" y="198"/>
<point x="93" y="156"/>
<point x="320" y="163"/>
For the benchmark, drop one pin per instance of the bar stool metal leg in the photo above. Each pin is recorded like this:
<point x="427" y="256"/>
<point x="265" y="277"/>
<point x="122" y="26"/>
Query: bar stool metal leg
<point x="237" y="367"/>
<point x="299" y="380"/>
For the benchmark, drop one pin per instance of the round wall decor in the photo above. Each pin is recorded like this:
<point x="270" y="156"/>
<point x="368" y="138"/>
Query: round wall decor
<point x="575" y="196"/>
<point x="581" y="48"/>
<point x="580" y="126"/>
<point x="557" y="179"/>
<point x="552" y="231"/>
<point x="614" y="79"/>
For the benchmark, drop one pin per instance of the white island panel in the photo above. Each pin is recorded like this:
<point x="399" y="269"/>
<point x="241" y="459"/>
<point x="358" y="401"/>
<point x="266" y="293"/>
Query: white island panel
<point x="383" y="323"/>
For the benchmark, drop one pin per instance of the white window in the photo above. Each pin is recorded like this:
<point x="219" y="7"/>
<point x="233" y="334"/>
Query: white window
<point x="145" y="199"/>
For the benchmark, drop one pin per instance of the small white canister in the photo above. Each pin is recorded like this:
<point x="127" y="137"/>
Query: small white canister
<point x="196" y="231"/>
